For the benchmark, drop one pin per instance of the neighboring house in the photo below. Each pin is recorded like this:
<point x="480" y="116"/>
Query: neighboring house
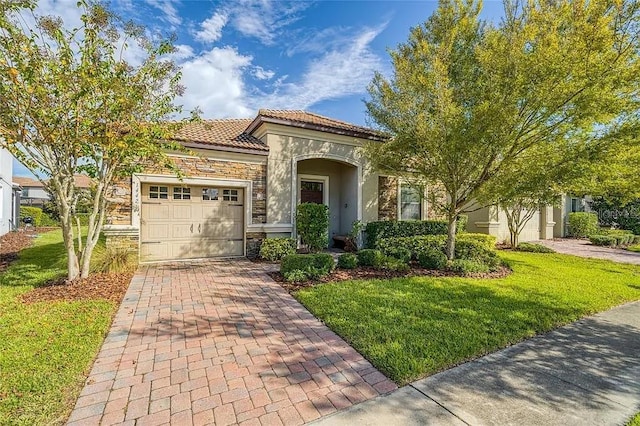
<point x="9" y="195"/>
<point x="245" y="178"/>
<point x="33" y="191"/>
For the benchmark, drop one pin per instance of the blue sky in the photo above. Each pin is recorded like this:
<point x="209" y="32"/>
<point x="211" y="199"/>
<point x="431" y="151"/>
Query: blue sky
<point x="239" y="56"/>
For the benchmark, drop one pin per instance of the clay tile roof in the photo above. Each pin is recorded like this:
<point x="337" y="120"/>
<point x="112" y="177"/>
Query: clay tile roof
<point x="82" y="181"/>
<point x="27" y="182"/>
<point x="300" y="118"/>
<point x="223" y="132"/>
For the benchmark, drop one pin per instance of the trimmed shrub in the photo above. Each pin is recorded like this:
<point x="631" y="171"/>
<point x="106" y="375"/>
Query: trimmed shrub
<point x="636" y="239"/>
<point x="477" y="252"/>
<point x="488" y="241"/>
<point x="401" y="253"/>
<point x="347" y="261"/>
<point x="534" y="248"/>
<point x="432" y="259"/>
<point x="409" y="228"/>
<point x="467" y="267"/>
<point x="583" y="224"/>
<point x="393" y="264"/>
<point x="371" y="257"/>
<point x="34" y="213"/>
<point x="312" y="265"/>
<point x="312" y="224"/>
<point x="274" y="249"/>
<point x="414" y="245"/>
<point x="603" y="240"/>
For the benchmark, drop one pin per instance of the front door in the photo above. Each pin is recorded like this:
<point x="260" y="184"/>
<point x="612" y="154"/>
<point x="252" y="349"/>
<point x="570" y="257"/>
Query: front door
<point x="311" y="192"/>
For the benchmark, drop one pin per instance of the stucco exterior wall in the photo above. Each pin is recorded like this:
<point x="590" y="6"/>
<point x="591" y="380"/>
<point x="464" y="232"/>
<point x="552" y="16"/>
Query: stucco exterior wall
<point x="288" y="146"/>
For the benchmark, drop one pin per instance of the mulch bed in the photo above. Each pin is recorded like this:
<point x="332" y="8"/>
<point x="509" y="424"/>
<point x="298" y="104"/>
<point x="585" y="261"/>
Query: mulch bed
<point x="97" y="286"/>
<point x="363" y="273"/>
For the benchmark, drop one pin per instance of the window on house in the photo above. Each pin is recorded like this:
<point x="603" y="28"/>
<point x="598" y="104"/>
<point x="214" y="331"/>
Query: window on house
<point x="180" y="193"/>
<point x="230" y="195"/>
<point x="24" y="193"/>
<point x="209" y="194"/>
<point x="159" y="192"/>
<point x="577" y="205"/>
<point x="410" y="203"/>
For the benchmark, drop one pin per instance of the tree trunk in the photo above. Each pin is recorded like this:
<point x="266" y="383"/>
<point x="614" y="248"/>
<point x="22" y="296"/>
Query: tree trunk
<point x="73" y="269"/>
<point x="451" y="237"/>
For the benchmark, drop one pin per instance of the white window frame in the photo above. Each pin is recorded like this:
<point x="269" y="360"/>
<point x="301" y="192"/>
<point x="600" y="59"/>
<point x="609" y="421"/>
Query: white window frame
<point x="315" y="178"/>
<point x="423" y="201"/>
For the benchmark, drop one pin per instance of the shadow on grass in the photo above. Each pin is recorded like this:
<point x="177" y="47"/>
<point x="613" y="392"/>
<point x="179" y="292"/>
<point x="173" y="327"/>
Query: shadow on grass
<point x="36" y="265"/>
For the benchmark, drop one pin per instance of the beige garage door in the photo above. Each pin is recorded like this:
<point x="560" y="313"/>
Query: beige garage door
<point x="188" y="222"/>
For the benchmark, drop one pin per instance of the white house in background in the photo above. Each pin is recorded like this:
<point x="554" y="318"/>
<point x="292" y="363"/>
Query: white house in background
<point x="9" y="195"/>
<point x="33" y="191"/>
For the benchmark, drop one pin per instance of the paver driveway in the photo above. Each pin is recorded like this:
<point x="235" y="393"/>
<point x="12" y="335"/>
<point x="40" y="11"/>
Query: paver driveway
<point x="584" y="248"/>
<point x="220" y="342"/>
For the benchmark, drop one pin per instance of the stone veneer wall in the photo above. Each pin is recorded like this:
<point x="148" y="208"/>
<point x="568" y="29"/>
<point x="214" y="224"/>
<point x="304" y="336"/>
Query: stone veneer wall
<point x="387" y="198"/>
<point x="120" y="198"/>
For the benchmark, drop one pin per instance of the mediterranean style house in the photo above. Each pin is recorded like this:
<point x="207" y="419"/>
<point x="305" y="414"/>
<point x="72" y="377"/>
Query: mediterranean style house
<point x="244" y="179"/>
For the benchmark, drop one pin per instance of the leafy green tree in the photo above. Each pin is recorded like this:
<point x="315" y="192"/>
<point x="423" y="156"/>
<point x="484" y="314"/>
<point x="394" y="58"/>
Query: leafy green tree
<point x="72" y="104"/>
<point x="468" y="98"/>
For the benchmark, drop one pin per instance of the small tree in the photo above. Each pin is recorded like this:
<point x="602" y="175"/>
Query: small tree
<point x="467" y="98"/>
<point x="312" y="225"/>
<point x="71" y="104"/>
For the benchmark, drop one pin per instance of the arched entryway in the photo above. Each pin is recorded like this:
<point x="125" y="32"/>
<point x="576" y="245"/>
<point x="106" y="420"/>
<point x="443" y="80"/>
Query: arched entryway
<point x="334" y="183"/>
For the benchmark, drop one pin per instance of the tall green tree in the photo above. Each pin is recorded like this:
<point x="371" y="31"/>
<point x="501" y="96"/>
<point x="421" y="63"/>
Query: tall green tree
<point x="468" y="98"/>
<point x="72" y="104"/>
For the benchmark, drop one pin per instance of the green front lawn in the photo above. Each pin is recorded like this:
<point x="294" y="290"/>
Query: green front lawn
<point x="635" y="248"/>
<point x="635" y="421"/>
<point x="46" y="348"/>
<point x="413" y="327"/>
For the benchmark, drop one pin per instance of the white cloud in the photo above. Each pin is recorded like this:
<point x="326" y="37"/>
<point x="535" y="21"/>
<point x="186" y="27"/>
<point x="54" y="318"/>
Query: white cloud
<point x="214" y="83"/>
<point x="262" y="74"/>
<point x="211" y="29"/>
<point x="264" y="19"/>
<point x="340" y="72"/>
<point x="167" y="7"/>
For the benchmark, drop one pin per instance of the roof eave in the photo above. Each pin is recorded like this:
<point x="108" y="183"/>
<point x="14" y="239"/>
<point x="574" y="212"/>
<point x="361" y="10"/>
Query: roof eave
<point x="327" y="129"/>
<point x="225" y="148"/>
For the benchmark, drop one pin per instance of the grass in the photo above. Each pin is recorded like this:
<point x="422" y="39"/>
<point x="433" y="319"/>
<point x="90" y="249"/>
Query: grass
<point x="45" y="348"/>
<point x="413" y="327"/>
<point x="635" y="248"/>
<point x="635" y="421"/>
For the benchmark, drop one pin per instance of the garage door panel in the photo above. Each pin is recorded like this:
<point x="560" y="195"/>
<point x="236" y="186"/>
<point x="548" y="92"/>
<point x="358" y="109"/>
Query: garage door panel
<point x="176" y="227"/>
<point x="154" y="251"/>
<point x="155" y="211"/>
<point x="156" y="231"/>
<point x="180" y="230"/>
<point x="180" y="212"/>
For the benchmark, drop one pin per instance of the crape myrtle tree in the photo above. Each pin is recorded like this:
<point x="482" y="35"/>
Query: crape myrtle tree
<point x="468" y="98"/>
<point x="71" y="104"/>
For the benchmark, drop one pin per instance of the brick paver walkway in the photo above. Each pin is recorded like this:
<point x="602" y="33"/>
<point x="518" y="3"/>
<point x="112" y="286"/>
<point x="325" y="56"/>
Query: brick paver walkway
<point x="583" y="248"/>
<point x="220" y="343"/>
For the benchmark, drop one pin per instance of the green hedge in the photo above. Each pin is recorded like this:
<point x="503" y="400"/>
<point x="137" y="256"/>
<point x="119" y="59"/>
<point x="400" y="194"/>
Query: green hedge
<point x="39" y="217"/>
<point x="582" y="225"/>
<point x="312" y="224"/>
<point x="433" y="259"/>
<point x="274" y="249"/>
<point x="371" y="257"/>
<point x="418" y="244"/>
<point x="408" y="228"/>
<point x="534" y="248"/>
<point x="302" y="267"/>
<point x="467" y="267"/>
<point x="603" y="240"/>
<point x="347" y="261"/>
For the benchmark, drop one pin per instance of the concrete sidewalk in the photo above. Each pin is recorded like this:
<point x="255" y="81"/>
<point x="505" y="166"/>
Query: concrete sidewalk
<point x="586" y="373"/>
